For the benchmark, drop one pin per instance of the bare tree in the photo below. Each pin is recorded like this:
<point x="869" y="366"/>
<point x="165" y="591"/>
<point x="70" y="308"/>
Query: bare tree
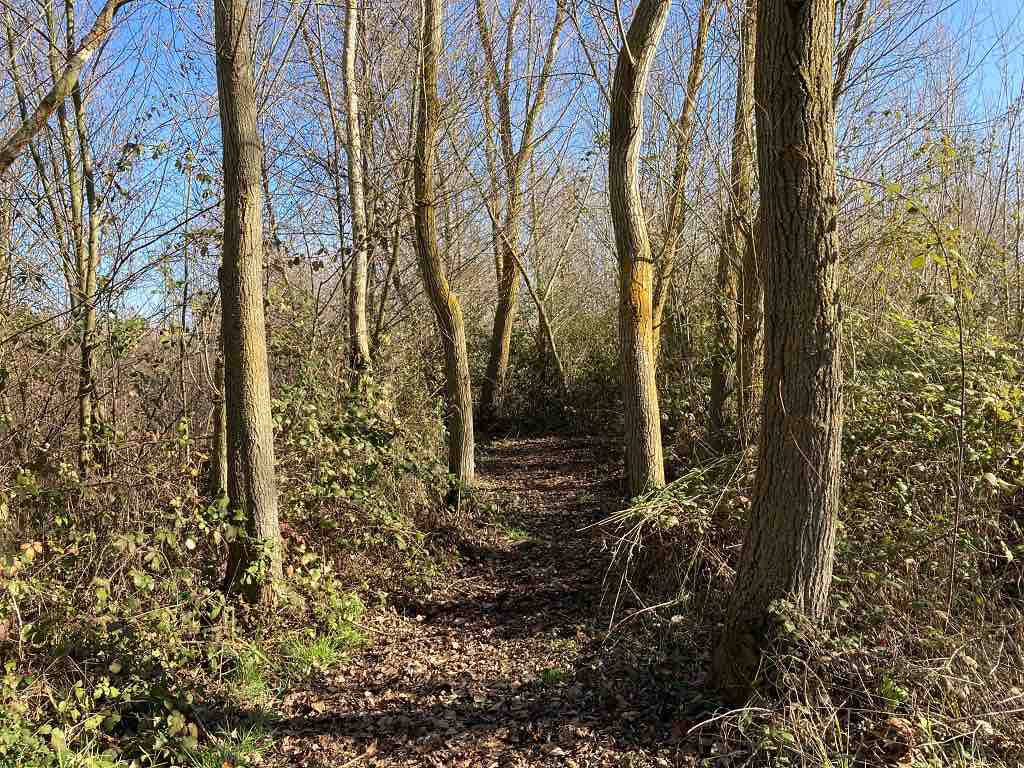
<point x="12" y="145"/>
<point x="447" y="309"/>
<point x="739" y="235"/>
<point x="254" y="559"/>
<point x="645" y="467"/>
<point x="515" y="157"/>
<point x="680" y="171"/>
<point x="358" y="330"/>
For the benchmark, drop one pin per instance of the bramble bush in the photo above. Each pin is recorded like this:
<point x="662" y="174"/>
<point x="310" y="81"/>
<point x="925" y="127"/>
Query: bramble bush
<point x="920" y="661"/>
<point x="118" y="641"/>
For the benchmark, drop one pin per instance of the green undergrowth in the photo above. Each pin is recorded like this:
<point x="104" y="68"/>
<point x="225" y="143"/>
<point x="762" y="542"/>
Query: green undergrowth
<point x="119" y="646"/>
<point x="920" y="661"/>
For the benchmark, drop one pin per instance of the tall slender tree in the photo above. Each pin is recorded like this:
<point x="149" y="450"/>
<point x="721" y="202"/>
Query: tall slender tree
<point x="90" y="221"/>
<point x="645" y="466"/>
<point x="6" y="245"/>
<point x="447" y="309"/>
<point x="254" y="559"/>
<point x="739" y="234"/>
<point x="359" y="352"/>
<point x="788" y="551"/>
<point x="82" y="258"/>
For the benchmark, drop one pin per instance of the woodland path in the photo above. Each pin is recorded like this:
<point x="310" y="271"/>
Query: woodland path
<point x="506" y="664"/>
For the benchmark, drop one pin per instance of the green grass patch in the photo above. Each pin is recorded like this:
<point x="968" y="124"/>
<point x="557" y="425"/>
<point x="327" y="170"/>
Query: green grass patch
<point x="239" y="748"/>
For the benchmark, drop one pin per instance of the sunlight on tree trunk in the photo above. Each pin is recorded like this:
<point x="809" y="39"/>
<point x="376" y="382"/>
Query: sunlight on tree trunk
<point x="645" y="467"/>
<point x="787" y="554"/>
<point x="458" y="390"/>
<point x="254" y="559"/>
<point x="358" y="330"/>
<point x="740" y="236"/>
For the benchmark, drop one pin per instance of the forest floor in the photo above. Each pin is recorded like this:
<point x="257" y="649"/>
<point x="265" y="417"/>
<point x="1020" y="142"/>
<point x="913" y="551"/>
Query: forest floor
<point x="509" y="662"/>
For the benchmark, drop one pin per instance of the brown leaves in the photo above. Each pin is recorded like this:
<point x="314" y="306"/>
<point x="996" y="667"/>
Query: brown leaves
<point x="893" y="741"/>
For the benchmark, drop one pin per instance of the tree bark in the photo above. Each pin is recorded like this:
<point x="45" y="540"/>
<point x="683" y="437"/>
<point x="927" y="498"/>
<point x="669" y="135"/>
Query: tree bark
<point x="359" y="353"/>
<point x="6" y="248"/>
<point x="90" y="251"/>
<point x="458" y="391"/>
<point x="740" y="234"/>
<point x="788" y="551"/>
<point x="723" y="354"/>
<point x="254" y="558"/>
<point x="644" y="461"/>
<point x="77" y="285"/>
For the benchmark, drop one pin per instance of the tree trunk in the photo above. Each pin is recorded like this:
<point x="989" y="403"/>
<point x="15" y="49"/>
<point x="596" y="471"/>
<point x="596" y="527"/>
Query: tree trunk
<point x="90" y="250"/>
<point x="546" y="335"/>
<point x="723" y="375"/>
<point x="6" y="247"/>
<point x="359" y="353"/>
<point x="789" y="546"/>
<point x="645" y="467"/>
<point x="217" y="482"/>
<point x="740" y="234"/>
<point x="78" y="285"/>
<point x="254" y="558"/>
<point x="458" y="392"/>
<point x="492" y="391"/>
<point x="677" y="202"/>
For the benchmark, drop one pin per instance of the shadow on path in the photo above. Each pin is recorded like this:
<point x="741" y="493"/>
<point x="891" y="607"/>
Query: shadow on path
<point x="506" y="664"/>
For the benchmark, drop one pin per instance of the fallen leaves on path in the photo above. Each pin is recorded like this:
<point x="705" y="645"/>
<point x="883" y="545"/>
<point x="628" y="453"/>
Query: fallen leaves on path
<point x="503" y="665"/>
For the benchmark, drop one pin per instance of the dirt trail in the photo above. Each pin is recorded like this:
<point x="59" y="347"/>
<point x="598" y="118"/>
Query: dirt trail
<point x="504" y="666"/>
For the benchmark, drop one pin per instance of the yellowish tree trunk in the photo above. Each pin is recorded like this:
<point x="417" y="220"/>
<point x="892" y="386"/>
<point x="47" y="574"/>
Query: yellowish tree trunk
<point x="458" y="390"/>
<point x="254" y="559"/>
<point x="788" y="551"/>
<point x="645" y="467"/>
